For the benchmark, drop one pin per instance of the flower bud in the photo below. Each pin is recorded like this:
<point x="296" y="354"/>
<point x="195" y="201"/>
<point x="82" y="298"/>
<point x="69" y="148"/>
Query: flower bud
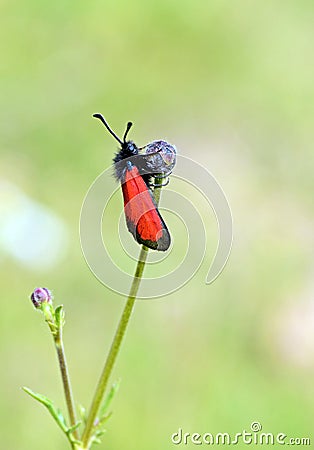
<point x="162" y="156"/>
<point x="40" y="296"/>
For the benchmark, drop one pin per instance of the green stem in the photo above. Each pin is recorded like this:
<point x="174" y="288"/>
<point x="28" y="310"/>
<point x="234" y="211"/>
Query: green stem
<point x="117" y="340"/>
<point x="158" y="185"/>
<point x="116" y="343"/>
<point x="66" y="380"/>
<point x="115" y="347"/>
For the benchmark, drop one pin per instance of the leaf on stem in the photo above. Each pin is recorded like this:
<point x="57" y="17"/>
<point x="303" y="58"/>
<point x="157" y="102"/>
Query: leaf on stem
<point x="55" y="412"/>
<point x="59" y="315"/>
<point x="82" y="413"/>
<point x="104" y="408"/>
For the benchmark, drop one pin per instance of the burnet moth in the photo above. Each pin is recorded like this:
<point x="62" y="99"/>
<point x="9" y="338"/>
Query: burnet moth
<point x="135" y="170"/>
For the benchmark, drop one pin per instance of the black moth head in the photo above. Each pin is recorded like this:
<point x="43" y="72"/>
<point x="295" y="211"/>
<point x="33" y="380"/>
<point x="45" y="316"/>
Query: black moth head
<point x="128" y="148"/>
<point x="160" y="156"/>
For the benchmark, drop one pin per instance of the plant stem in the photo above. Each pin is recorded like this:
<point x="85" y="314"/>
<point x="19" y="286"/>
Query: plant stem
<point x="116" y="343"/>
<point x="117" y="340"/>
<point x="157" y="188"/>
<point x="66" y="380"/>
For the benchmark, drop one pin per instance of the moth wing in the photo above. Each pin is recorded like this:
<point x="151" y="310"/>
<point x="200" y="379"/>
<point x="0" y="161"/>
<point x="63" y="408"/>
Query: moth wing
<point x="142" y="216"/>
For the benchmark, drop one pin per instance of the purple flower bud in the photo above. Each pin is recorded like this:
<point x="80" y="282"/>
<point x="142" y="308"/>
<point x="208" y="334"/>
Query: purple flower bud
<point x="162" y="156"/>
<point x="41" y="295"/>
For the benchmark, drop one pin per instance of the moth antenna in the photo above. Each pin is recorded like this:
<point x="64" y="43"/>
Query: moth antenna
<point x="129" y="124"/>
<point x="102" y="119"/>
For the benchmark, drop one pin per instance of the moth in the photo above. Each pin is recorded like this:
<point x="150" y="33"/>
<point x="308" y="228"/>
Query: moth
<point x="134" y="168"/>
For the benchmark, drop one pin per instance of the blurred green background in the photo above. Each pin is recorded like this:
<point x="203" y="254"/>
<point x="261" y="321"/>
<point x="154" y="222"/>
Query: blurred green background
<point x="231" y="84"/>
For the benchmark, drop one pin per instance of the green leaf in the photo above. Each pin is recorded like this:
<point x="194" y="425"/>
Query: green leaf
<point x="55" y="412"/>
<point x="59" y="315"/>
<point x="99" y="429"/>
<point x="95" y="440"/>
<point x="103" y="419"/>
<point x="114" y="389"/>
<point x="103" y="414"/>
<point x="100" y="433"/>
<point x="82" y="413"/>
<point x="71" y="429"/>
